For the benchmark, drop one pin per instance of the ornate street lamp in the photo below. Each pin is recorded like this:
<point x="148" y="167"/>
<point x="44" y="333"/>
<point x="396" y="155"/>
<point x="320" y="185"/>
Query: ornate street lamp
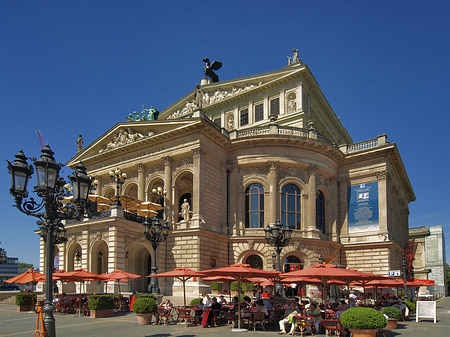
<point x="161" y="193"/>
<point x="119" y="178"/>
<point x="155" y="232"/>
<point x="50" y="211"/>
<point x="278" y="236"/>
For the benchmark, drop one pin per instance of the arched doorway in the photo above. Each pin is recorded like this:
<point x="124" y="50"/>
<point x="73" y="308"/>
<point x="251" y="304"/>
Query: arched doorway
<point x="255" y="261"/>
<point x="292" y="263"/>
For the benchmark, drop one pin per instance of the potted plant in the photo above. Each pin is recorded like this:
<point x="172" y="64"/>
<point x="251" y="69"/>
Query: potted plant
<point x="25" y="301"/>
<point x="101" y="305"/>
<point x="216" y="287"/>
<point x="248" y="288"/>
<point x="196" y="301"/>
<point x="363" y="322"/>
<point x="394" y="315"/>
<point x="145" y="307"/>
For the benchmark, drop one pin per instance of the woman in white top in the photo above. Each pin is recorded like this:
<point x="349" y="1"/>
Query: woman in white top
<point x="206" y="301"/>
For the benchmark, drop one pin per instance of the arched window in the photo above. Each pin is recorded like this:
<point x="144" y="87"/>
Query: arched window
<point x="293" y="263"/>
<point x="254" y="206"/>
<point x="290" y="206"/>
<point x="320" y="211"/>
<point x="255" y="261"/>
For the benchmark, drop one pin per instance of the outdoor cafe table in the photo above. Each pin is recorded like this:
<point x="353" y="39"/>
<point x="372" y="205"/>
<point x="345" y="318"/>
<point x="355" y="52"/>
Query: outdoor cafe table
<point x="302" y="323"/>
<point x="187" y="315"/>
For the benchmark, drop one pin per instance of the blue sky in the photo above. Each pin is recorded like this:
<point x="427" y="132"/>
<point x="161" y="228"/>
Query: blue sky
<point x="70" y="67"/>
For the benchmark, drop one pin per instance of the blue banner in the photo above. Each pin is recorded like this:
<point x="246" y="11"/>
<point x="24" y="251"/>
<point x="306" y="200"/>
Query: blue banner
<point x="363" y="208"/>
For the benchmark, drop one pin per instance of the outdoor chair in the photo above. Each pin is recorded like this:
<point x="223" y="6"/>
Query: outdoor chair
<point x="303" y="324"/>
<point x="165" y="316"/>
<point x="333" y="327"/>
<point x="257" y="318"/>
<point x="231" y="318"/>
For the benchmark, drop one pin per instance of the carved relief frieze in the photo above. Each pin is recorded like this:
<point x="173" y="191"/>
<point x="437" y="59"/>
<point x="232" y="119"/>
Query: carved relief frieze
<point x="124" y="137"/>
<point x="254" y="171"/>
<point x="206" y="98"/>
<point x="292" y="171"/>
<point x="196" y="153"/>
<point x="382" y="175"/>
<point x="157" y="169"/>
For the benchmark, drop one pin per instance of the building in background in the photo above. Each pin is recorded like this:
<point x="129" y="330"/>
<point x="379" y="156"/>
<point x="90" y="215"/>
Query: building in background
<point x="9" y="269"/>
<point x="240" y="154"/>
<point x="429" y="259"/>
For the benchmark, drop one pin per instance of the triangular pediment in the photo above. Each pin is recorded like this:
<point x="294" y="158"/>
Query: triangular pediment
<point x="221" y="93"/>
<point x="128" y="136"/>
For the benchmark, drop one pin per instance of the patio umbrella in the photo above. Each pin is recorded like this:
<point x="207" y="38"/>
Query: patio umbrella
<point x="118" y="275"/>
<point x="222" y="279"/>
<point x="29" y="276"/>
<point x="182" y="274"/>
<point x="240" y="272"/>
<point x="130" y="203"/>
<point x="325" y="273"/>
<point x="80" y="275"/>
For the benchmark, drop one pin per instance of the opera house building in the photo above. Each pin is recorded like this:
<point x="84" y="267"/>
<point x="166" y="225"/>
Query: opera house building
<point x="229" y="158"/>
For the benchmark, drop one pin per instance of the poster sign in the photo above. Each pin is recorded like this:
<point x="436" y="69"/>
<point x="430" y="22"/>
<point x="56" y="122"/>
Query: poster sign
<point x="426" y="309"/>
<point x="363" y="208"/>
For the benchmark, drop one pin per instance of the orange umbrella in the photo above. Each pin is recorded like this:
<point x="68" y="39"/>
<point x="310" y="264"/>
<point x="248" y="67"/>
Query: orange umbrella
<point x="118" y="275"/>
<point x="80" y="275"/>
<point x="27" y="277"/>
<point x="240" y="272"/>
<point x="182" y="274"/>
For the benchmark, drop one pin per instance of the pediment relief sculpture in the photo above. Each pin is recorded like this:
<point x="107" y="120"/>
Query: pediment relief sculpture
<point x="124" y="137"/>
<point x="204" y="98"/>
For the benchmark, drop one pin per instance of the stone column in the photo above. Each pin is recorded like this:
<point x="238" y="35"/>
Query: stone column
<point x="272" y="213"/>
<point x="197" y="155"/>
<point x="141" y="181"/>
<point x="311" y="198"/>
<point x="168" y="187"/>
<point x="331" y="211"/>
<point x="343" y="207"/>
<point x="382" y="178"/>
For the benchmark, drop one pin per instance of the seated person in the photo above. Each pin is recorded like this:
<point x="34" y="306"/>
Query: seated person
<point x="260" y="307"/>
<point x="316" y="314"/>
<point x="270" y="304"/>
<point x="340" y="310"/>
<point x="403" y="308"/>
<point x="222" y="300"/>
<point x="288" y="313"/>
<point x="215" y="311"/>
<point x="66" y="299"/>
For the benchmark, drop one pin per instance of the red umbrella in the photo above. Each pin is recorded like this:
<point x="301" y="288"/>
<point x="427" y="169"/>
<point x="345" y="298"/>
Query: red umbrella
<point x="182" y="274"/>
<point x="55" y="276"/>
<point x="80" y="275"/>
<point x="118" y="275"/>
<point x="27" y="277"/>
<point x="327" y="272"/>
<point x="239" y="272"/>
<point x="222" y="279"/>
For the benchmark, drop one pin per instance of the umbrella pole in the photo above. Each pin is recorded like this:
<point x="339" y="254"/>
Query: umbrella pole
<point x="239" y="303"/>
<point x="79" y="302"/>
<point x="184" y="292"/>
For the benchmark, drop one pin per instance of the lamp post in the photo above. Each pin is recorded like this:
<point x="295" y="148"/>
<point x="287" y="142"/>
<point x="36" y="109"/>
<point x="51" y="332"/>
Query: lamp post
<point x="50" y="211"/>
<point x="119" y="178"/>
<point x="278" y="236"/>
<point x="161" y="193"/>
<point x="404" y="266"/>
<point x="155" y="232"/>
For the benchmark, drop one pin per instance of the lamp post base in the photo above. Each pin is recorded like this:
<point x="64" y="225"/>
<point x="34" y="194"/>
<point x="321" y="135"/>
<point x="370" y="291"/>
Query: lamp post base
<point x="49" y="319"/>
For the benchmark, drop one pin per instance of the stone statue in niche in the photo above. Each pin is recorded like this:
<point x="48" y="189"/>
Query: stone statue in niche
<point x="185" y="210"/>
<point x="230" y="122"/>
<point x="292" y="105"/>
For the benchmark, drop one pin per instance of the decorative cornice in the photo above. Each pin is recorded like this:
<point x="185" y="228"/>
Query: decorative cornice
<point x="382" y="175"/>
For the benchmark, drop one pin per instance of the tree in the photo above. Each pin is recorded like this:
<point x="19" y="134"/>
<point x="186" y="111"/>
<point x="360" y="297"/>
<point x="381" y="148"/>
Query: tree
<point x="447" y="275"/>
<point x="25" y="265"/>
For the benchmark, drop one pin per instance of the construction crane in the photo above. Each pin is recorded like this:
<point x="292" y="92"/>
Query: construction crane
<point x="41" y="142"/>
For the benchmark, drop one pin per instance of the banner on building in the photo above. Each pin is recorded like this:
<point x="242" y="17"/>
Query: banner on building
<point x="409" y="249"/>
<point x="294" y="266"/>
<point x="363" y="208"/>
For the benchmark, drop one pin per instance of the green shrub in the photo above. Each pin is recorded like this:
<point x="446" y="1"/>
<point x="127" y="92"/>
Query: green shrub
<point x="195" y="301"/>
<point x="363" y="318"/>
<point x="242" y="296"/>
<point x="248" y="287"/>
<point x="393" y="312"/>
<point x="145" y="295"/>
<point x="411" y="305"/>
<point x="25" y="298"/>
<point x="145" y="305"/>
<point x="215" y="285"/>
<point x="101" y="302"/>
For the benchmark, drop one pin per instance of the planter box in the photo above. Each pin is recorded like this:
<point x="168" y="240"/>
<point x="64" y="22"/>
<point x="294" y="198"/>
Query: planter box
<point x="144" y="319"/>
<point x="24" y="307"/>
<point x="101" y="313"/>
<point x="392" y="324"/>
<point x="363" y="332"/>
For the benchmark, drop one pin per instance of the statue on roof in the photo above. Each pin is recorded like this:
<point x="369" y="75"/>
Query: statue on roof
<point x="146" y="115"/>
<point x="216" y="65"/>
<point x="294" y="58"/>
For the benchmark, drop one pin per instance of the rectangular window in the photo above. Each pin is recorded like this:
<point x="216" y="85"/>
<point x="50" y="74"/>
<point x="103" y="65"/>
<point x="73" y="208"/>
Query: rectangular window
<point x="275" y="106"/>
<point x="218" y="122"/>
<point x="244" y="117"/>
<point x="259" y="112"/>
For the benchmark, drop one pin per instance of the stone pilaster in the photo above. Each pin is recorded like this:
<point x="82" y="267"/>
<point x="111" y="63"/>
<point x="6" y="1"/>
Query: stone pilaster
<point x="141" y="181"/>
<point x="331" y="210"/>
<point x="169" y="188"/>
<point x="273" y="212"/>
<point x="382" y="178"/>
<point x="311" y="209"/>
<point x="197" y="156"/>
